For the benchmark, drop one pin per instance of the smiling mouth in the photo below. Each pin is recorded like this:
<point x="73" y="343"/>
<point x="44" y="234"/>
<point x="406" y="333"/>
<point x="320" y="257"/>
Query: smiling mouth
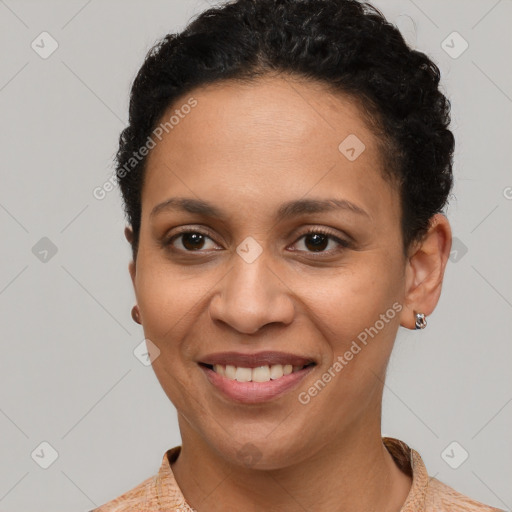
<point x="264" y="373"/>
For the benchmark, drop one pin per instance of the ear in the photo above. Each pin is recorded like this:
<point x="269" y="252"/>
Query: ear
<point x="128" y="233"/>
<point x="425" y="271"/>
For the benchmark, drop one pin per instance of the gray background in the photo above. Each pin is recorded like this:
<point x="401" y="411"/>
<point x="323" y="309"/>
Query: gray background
<point x="68" y="373"/>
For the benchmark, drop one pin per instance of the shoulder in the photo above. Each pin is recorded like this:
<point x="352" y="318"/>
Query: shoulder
<point x="428" y="494"/>
<point x="158" y="493"/>
<point x="134" y="499"/>
<point x="443" y="498"/>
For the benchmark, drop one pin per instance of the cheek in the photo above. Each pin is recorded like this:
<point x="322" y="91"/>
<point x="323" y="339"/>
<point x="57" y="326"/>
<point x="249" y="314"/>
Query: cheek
<point x="168" y="304"/>
<point x="167" y="297"/>
<point x="357" y="313"/>
<point x="349" y="300"/>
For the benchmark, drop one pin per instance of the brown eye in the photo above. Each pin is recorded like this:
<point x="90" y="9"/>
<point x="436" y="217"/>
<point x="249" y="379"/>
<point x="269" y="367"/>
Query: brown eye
<point x="318" y="240"/>
<point x="190" y="241"/>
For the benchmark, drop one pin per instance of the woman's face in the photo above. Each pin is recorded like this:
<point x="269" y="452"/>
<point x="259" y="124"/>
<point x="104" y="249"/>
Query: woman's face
<point x="248" y="278"/>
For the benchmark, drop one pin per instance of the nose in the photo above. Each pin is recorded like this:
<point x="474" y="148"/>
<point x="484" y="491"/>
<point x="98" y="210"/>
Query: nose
<point x="250" y="296"/>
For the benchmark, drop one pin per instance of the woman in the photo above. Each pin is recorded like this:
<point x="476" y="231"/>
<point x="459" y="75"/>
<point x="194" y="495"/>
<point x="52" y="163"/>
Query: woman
<point x="284" y="175"/>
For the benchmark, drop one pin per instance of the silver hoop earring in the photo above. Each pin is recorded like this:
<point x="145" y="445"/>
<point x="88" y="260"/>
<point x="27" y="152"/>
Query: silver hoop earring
<point x="421" y="321"/>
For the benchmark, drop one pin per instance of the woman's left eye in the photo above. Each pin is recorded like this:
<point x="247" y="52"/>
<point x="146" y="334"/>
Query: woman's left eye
<point x="318" y="241"/>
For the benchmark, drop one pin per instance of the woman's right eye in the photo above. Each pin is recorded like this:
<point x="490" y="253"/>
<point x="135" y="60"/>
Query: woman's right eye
<point x="189" y="241"/>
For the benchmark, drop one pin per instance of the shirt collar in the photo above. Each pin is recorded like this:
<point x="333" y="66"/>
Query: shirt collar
<point x="411" y="463"/>
<point x="407" y="459"/>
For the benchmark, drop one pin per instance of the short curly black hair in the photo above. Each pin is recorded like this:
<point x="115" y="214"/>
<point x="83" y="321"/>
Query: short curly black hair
<point x="347" y="45"/>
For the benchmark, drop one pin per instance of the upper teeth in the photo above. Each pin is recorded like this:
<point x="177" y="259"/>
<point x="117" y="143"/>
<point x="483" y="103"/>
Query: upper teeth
<point x="258" y="374"/>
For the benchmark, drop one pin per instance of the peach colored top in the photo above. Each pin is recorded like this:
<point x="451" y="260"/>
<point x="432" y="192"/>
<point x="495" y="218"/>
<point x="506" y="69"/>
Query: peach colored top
<point x="161" y="493"/>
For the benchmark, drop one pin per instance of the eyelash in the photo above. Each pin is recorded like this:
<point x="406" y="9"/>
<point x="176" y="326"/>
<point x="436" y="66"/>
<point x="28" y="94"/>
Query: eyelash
<point x="345" y="244"/>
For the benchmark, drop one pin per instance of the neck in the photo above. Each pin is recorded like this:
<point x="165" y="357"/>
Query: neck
<point x="356" y="473"/>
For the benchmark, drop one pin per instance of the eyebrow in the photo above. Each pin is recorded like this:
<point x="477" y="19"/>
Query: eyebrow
<point x="286" y="210"/>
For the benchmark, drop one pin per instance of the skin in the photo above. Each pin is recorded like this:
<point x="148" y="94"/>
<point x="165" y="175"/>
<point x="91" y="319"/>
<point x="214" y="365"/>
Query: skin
<point x="248" y="148"/>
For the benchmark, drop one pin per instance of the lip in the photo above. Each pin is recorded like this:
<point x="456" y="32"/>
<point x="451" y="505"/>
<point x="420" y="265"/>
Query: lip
<point x="257" y="359"/>
<point x="255" y="392"/>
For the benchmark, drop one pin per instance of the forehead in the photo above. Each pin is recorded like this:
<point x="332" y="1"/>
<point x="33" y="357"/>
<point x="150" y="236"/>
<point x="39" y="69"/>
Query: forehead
<point x="279" y="112"/>
<point x="272" y="137"/>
